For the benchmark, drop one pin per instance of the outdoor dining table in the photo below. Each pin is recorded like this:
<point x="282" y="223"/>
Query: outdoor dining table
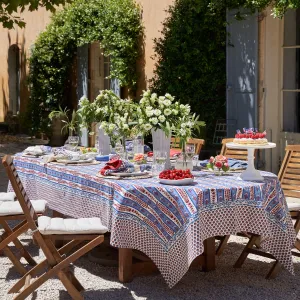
<point x="170" y="224"/>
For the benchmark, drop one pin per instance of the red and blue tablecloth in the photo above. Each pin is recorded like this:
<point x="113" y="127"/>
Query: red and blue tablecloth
<point x="167" y="223"/>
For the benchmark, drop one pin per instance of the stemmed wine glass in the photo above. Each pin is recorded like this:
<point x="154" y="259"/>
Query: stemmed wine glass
<point x="190" y="151"/>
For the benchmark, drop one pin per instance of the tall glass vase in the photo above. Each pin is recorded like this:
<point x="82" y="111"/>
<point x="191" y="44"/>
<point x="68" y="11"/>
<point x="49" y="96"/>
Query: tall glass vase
<point x="161" y="142"/>
<point x="103" y="142"/>
<point x="124" y="147"/>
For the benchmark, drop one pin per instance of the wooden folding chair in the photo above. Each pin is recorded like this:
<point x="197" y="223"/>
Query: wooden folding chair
<point x="10" y="210"/>
<point x="289" y="176"/>
<point x="197" y="142"/>
<point x="240" y="154"/>
<point x="75" y="231"/>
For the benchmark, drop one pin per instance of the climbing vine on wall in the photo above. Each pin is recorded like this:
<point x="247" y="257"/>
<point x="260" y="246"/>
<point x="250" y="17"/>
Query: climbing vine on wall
<point x="115" y="24"/>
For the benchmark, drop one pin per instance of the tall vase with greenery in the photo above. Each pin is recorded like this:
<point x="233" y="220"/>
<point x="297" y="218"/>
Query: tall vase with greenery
<point x="184" y="130"/>
<point x="115" y="115"/>
<point x="162" y="114"/>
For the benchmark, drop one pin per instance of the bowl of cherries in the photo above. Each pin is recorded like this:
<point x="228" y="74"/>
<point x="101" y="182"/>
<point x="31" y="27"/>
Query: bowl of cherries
<point x="176" y="177"/>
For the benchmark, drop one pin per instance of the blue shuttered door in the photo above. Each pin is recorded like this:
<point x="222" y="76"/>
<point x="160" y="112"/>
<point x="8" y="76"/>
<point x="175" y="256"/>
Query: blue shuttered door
<point x="242" y="65"/>
<point x="82" y="82"/>
<point x="115" y="86"/>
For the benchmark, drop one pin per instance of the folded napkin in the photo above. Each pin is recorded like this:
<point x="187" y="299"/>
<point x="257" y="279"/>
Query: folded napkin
<point x="145" y="167"/>
<point x="234" y="164"/>
<point x="10" y="196"/>
<point x="117" y="166"/>
<point x="34" y="150"/>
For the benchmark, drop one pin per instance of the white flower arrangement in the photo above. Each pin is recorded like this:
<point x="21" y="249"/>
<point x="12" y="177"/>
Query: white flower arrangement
<point x="113" y="114"/>
<point x="160" y="112"/>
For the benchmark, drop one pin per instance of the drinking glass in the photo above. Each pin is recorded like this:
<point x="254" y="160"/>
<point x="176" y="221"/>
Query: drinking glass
<point x="190" y="150"/>
<point x="159" y="160"/>
<point x="119" y="150"/>
<point x="73" y="141"/>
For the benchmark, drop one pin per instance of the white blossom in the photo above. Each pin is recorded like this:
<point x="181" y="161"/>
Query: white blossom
<point x="157" y="112"/>
<point x="147" y="126"/>
<point x="154" y="121"/>
<point x="154" y="96"/>
<point x="111" y="127"/>
<point x="146" y="94"/>
<point x="167" y="102"/>
<point x="175" y="111"/>
<point x="149" y="113"/>
<point x="182" y="132"/>
<point x="169" y="97"/>
<point x="167" y="112"/>
<point x="162" y="118"/>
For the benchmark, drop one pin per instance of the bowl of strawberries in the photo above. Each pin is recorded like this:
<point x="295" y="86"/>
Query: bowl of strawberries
<point x="176" y="177"/>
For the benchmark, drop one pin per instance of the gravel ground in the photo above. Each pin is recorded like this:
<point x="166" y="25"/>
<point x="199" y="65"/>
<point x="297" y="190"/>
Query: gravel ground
<point x="102" y="282"/>
<point x="224" y="283"/>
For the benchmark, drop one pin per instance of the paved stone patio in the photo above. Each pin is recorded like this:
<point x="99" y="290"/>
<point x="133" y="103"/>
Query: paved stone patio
<point x="11" y="149"/>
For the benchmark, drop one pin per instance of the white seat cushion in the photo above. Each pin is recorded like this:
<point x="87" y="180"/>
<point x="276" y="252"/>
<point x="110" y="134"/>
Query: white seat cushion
<point x="8" y="208"/>
<point x="49" y="225"/>
<point x="10" y="196"/>
<point x="293" y="203"/>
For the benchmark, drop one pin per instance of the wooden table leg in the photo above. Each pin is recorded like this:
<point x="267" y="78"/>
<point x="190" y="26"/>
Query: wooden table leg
<point x="125" y="265"/>
<point x="209" y="255"/>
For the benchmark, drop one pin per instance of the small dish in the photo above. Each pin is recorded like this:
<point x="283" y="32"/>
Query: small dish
<point x="71" y="161"/>
<point x="124" y="174"/>
<point x="185" y="181"/>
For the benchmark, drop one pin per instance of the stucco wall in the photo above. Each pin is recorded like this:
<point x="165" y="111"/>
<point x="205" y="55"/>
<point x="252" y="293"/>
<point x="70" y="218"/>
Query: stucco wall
<point x="152" y="16"/>
<point x="24" y="38"/>
<point x="272" y="86"/>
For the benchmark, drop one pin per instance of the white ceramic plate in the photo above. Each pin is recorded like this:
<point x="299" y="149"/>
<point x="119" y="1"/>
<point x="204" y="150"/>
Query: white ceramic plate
<point x="80" y="161"/>
<point x="124" y="174"/>
<point x="31" y="154"/>
<point x="185" y="181"/>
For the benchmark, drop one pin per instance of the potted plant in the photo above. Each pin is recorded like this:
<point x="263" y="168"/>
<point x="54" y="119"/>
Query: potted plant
<point x="71" y="121"/>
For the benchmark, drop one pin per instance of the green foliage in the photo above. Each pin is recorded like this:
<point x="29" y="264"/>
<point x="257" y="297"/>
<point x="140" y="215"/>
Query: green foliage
<point x="191" y="59"/>
<point x="115" y="24"/>
<point x="9" y="8"/>
<point x="279" y="7"/>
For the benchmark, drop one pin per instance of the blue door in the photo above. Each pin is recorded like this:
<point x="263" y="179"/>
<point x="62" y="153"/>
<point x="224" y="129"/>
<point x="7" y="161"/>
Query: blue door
<point x="242" y="65"/>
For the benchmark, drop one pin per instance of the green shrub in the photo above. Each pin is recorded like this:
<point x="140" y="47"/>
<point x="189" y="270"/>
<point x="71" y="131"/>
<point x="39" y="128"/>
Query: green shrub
<point x="191" y="59"/>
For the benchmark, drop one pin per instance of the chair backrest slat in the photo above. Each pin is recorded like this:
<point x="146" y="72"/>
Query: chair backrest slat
<point x="197" y="142"/>
<point x="289" y="174"/>
<point x="20" y="191"/>
<point x="233" y="153"/>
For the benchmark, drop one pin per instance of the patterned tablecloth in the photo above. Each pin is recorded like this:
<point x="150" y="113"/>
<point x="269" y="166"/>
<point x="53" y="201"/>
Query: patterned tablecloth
<point x="167" y="223"/>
